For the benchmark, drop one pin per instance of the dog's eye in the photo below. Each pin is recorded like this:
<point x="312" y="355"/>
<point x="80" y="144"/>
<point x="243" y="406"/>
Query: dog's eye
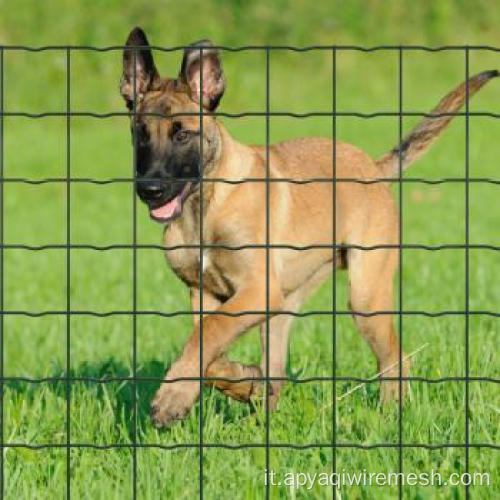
<point x="181" y="136"/>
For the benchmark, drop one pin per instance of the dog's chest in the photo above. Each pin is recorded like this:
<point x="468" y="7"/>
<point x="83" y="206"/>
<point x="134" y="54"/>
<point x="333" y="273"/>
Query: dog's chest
<point x="190" y="264"/>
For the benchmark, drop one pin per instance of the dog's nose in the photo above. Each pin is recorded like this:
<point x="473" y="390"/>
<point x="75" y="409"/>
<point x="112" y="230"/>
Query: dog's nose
<point x="150" y="190"/>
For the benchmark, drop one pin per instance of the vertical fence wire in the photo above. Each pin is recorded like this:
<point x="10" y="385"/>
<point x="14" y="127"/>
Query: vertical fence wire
<point x="467" y="268"/>
<point x="268" y="232"/>
<point x="134" y="281"/>
<point x="334" y="262"/>
<point x="2" y="489"/>
<point x="400" y="275"/>
<point x="200" y="300"/>
<point x="68" y="273"/>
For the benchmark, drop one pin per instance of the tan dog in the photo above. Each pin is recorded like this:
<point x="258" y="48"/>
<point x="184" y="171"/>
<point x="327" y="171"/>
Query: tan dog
<point x="234" y="215"/>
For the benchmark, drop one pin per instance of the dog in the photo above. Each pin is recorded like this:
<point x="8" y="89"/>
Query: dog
<point x="239" y="282"/>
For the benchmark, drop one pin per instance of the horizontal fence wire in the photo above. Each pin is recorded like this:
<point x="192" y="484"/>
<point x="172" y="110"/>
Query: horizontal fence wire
<point x="291" y="48"/>
<point x="68" y="378"/>
<point x="244" y="181"/>
<point x="381" y="378"/>
<point x="303" y="314"/>
<point x="275" y="246"/>
<point x="248" y="114"/>
<point x="228" y="446"/>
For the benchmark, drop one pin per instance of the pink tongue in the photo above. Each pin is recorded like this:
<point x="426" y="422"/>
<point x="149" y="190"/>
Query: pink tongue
<point x="168" y="210"/>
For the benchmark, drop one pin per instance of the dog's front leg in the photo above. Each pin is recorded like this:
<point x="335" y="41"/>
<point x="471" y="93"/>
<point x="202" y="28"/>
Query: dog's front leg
<point x="175" y="397"/>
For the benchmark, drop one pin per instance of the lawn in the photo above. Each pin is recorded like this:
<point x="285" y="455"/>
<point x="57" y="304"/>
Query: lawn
<point x="101" y="346"/>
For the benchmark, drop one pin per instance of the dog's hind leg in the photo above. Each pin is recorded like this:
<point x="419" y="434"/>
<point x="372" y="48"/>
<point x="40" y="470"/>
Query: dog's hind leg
<point x="371" y="279"/>
<point x="279" y="332"/>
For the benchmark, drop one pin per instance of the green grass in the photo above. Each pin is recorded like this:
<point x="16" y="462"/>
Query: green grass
<point x="102" y="281"/>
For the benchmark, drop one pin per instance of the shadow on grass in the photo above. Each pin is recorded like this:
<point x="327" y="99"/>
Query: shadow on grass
<point x="228" y="411"/>
<point x="123" y="394"/>
<point x="108" y="369"/>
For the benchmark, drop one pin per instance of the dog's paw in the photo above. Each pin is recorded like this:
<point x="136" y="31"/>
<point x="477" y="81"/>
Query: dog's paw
<point x="389" y="390"/>
<point x="172" y="402"/>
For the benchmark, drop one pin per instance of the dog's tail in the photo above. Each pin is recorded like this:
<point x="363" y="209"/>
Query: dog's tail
<point x="428" y="130"/>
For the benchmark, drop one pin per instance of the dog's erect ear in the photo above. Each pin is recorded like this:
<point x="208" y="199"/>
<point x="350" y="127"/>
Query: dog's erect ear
<point x="213" y="76"/>
<point x="145" y="72"/>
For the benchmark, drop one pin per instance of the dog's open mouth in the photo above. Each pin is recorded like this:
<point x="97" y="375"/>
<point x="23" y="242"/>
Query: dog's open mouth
<point x="172" y="208"/>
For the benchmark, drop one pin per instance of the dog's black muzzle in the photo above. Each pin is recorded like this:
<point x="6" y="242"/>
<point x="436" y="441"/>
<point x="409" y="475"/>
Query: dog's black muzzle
<point x="155" y="192"/>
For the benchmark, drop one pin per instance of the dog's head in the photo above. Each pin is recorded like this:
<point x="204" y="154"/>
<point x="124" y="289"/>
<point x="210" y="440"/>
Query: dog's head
<point x="168" y="147"/>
